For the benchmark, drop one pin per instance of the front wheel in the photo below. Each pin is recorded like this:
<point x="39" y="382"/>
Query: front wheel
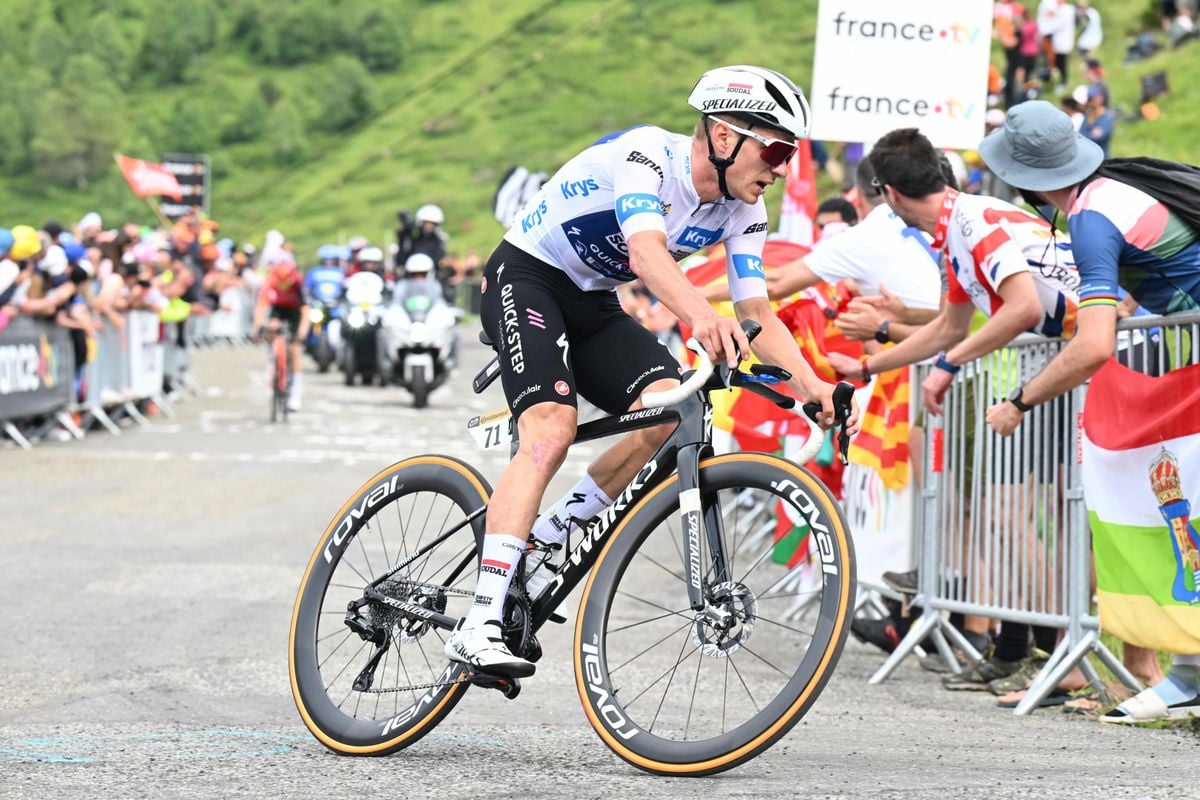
<point x="392" y="572"/>
<point x="420" y="388"/>
<point x="676" y="691"/>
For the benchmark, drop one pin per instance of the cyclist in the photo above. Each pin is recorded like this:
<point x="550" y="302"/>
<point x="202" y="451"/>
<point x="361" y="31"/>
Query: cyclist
<point x="282" y="298"/>
<point x="1123" y="234"/>
<point x="629" y="206"/>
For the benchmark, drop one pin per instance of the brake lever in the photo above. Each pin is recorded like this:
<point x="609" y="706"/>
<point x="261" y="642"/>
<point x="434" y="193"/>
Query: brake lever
<point x="843" y="394"/>
<point x="779" y="373"/>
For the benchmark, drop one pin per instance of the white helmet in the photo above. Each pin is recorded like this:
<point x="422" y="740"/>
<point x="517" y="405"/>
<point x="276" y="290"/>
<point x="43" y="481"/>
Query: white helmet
<point x="370" y="254"/>
<point x="418" y="264"/>
<point x="430" y="213"/>
<point x="756" y="94"/>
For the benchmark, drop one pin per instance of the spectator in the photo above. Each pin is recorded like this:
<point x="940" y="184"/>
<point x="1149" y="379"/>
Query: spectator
<point x="1094" y="72"/>
<point x="834" y="216"/>
<point x="1008" y="17"/>
<point x="1092" y="34"/>
<point x="1028" y="51"/>
<point x="1063" y="41"/>
<point x="1100" y="121"/>
<point x="1074" y="109"/>
<point x="1111" y="239"/>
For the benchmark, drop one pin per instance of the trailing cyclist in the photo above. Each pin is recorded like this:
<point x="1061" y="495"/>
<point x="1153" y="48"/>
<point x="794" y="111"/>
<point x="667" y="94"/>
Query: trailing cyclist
<point x="630" y="206"/>
<point x="281" y="304"/>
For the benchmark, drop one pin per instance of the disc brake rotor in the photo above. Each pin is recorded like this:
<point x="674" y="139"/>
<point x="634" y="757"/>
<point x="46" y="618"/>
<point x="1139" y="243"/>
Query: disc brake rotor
<point x="727" y="620"/>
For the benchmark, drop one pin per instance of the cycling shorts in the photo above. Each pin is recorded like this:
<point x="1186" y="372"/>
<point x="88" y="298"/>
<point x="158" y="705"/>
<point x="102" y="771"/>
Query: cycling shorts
<point x="289" y="316"/>
<point x="555" y="339"/>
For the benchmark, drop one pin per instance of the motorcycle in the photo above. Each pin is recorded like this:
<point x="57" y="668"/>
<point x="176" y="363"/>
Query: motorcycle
<point x="419" y="339"/>
<point x="324" y="288"/>
<point x="361" y="310"/>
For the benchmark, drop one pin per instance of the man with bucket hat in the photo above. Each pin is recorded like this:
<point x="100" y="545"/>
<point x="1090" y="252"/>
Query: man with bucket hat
<point x="1120" y="233"/>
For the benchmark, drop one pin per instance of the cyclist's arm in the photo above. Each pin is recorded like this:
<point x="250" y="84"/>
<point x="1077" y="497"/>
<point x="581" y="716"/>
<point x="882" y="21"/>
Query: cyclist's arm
<point x="652" y="263"/>
<point x="782" y="281"/>
<point x="775" y="345"/>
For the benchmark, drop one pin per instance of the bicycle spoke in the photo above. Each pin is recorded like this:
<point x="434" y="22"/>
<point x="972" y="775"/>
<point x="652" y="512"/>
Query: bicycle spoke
<point x="611" y="631"/>
<point x="673" y="670"/>
<point x="343" y="669"/>
<point x="738" y="672"/>
<point x="692" y="704"/>
<point x="363" y="547"/>
<point x="761" y="618"/>
<point x="611" y="672"/>
<point x="768" y="663"/>
<point x="663" y="568"/>
<point x="339" y="647"/>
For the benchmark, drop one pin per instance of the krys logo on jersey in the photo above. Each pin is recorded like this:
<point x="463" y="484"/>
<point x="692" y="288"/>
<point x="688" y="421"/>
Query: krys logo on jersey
<point x="26" y="367"/>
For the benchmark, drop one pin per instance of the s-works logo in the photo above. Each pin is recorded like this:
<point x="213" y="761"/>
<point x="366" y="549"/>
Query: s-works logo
<point x="948" y="107"/>
<point x="955" y="32"/>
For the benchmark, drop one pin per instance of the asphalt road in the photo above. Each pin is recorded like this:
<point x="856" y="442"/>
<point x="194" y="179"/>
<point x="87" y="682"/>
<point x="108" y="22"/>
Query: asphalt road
<point x="148" y="580"/>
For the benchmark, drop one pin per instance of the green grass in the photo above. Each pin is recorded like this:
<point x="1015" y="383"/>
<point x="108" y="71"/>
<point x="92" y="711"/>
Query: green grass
<point x="488" y="85"/>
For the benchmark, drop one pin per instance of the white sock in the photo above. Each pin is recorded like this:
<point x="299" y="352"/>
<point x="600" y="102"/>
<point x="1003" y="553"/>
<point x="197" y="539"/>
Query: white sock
<point x="294" y="394"/>
<point x="501" y="554"/>
<point x="585" y="500"/>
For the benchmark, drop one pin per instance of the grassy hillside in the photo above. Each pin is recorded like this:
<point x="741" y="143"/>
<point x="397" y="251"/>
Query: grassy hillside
<point x="486" y="85"/>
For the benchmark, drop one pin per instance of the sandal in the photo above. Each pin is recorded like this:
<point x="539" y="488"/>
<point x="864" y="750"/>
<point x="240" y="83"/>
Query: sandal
<point x="1147" y="706"/>
<point x="1013" y="699"/>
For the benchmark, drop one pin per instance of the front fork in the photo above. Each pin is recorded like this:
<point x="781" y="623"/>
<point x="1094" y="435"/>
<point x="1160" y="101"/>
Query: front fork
<point x="699" y="514"/>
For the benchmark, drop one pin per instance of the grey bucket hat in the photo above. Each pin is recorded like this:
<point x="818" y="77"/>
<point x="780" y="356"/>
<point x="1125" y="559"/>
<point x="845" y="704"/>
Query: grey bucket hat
<point x="1038" y="149"/>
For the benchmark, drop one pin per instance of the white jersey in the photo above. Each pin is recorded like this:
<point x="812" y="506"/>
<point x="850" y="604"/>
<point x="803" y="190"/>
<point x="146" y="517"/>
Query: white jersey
<point x="633" y="181"/>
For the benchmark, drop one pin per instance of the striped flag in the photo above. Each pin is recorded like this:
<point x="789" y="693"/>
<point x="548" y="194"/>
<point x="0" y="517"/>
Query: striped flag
<point x="882" y="443"/>
<point x="1141" y="472"/>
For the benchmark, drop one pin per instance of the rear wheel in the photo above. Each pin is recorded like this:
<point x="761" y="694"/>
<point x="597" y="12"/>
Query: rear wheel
<point x="677" y="691"/>
<point x="368" y="676"/>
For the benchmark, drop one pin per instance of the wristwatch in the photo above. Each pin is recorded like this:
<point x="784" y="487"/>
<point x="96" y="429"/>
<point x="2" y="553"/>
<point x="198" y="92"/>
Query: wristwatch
<point x="881" y="335"/>
<point x="943" y="364"/>
<point x="1015" y="399"/>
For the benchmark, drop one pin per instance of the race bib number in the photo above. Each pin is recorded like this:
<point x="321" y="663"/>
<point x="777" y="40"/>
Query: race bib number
<point x="493" y="429"/>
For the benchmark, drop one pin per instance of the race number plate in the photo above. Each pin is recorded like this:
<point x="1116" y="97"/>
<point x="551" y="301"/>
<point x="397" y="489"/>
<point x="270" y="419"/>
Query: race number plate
<point x="493" y="429"/>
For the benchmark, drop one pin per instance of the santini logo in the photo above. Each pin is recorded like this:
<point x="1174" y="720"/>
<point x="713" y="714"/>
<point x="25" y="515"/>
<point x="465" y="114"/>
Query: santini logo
<point x="951" y="107"/>
<point x="956" y="32"/>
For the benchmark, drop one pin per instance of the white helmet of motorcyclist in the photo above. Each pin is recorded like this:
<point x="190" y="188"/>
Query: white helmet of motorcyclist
<point x="430" y="213"/>
<point x="418" y="264"/>
<point x="371" y="254"/>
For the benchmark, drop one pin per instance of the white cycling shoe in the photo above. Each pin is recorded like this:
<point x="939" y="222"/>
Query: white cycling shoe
<point x="483" y="648"/>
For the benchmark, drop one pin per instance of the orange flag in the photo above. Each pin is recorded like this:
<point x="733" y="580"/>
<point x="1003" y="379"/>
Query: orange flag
<point x="148" y="179"/>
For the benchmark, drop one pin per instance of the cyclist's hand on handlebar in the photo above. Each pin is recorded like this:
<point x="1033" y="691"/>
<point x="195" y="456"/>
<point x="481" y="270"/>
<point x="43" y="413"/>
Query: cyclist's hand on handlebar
<point x="721" y="337"/>
<point x="827" y="418"/>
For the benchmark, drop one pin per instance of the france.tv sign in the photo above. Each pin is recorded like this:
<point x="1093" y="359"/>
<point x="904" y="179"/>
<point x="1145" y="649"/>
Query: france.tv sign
<point x="881" y="65"/>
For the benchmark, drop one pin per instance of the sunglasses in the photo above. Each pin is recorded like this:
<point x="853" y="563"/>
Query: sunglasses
<point x="774" y="152"/>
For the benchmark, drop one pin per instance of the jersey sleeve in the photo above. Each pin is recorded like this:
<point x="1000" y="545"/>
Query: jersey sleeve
<point x="954" y="290"/>
<point x="1096" y="244"/>
<point x="743" y="254"/>
<point x="637" y="180"/>
<point x="997" y="256"/>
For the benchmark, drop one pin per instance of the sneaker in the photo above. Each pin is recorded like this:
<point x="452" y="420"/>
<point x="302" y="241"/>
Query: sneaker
<point x="1023" y="677"/>
<point x="980" y="675"/>
<point x="902" y="582"/>
<point x="934" y="663"/>
<point x="880" y="632"/>
<point x="484" y="649"/>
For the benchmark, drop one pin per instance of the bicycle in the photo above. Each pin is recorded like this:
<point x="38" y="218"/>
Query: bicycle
<point x="281" y="374"/>
<point x="688" y="514"/>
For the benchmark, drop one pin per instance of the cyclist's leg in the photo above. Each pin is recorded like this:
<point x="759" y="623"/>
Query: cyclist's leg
<point x="295" y="350"/>
<point x="521" y="312"/>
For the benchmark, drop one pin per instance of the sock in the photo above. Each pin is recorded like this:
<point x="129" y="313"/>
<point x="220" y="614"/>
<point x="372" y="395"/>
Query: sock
<point x="1045" y="637"/>
<point x="977" y="640"/>
<point x="1013" y="642"/>
<point x="1182" y="683"/>
<point x="294" y="394"/>
<point x="501" y="553"/>
<point x="585" y="500"/>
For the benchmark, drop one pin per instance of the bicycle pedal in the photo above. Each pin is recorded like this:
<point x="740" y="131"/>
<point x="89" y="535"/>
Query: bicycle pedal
<point x="559" y="618"/>
<point x="509" y="687"/>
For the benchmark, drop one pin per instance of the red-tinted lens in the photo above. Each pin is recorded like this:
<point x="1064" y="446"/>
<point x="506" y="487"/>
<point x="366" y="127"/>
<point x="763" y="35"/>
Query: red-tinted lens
<point x="777" y="153"/>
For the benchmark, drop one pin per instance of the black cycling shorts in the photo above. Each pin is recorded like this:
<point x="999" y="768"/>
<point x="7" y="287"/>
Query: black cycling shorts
<point x="555" y="339"/>
<point x="289" y="316"/>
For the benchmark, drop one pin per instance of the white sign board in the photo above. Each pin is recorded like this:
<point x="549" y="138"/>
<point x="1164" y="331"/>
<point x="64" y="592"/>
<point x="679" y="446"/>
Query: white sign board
<point x="882" y="65"/>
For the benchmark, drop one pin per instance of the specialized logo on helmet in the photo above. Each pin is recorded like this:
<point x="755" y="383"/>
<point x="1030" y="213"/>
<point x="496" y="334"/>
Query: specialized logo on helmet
<point x="738" y="104"/>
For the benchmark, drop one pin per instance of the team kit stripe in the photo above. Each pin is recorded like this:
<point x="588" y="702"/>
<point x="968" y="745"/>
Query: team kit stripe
<point x="491" y="562"/>
<point x="1099" y="300"/>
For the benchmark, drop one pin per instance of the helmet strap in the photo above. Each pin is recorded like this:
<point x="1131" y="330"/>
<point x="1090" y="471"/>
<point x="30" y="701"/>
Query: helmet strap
<point x="722" y="164"/>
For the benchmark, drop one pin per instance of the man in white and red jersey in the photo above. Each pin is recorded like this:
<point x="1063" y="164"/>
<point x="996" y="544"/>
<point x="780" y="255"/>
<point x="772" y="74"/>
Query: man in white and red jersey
<point x="630" y="206"/>
<point x="1006" y="262"/>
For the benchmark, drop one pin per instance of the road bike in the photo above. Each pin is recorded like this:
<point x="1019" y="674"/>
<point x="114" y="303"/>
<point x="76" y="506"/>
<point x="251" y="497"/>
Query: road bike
<point x="280" y="374"/>
<point x="682" y="658"/>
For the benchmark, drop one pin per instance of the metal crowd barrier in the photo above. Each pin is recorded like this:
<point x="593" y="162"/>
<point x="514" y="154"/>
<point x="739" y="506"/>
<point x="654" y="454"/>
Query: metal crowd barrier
<point x="1001" y="523"/>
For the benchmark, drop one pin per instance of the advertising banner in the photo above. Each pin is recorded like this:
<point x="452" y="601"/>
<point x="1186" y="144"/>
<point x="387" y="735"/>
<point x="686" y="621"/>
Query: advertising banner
<point x="37" y="365"/>
<point x="881" y="65"/>
<point x="145" y="354"/>
<point x="193" y="171"/>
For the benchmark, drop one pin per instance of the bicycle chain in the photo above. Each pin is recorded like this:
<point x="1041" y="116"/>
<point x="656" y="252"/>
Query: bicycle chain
<point x="421" y="686"/>
<point x="406" y="583"/>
